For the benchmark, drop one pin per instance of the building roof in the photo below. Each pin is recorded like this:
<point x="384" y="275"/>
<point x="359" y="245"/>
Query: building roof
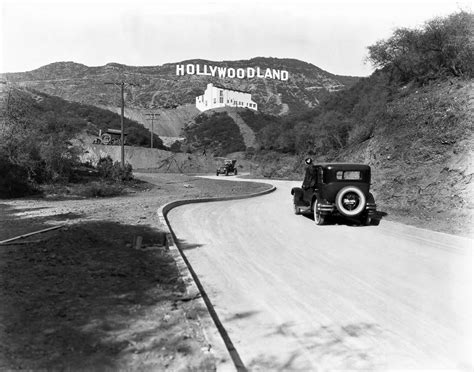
<point x="234" y="90"/>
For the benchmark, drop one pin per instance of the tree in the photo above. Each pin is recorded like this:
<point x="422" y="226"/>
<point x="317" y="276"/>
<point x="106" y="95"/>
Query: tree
<point x="443" y="46"/>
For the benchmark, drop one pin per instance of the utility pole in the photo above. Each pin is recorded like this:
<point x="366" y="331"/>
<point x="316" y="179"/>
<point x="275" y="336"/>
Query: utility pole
<point x="152" y="116"/>
<point x="122" y="139"/>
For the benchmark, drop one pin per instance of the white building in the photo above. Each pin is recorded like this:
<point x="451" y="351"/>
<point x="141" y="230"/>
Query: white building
<point x="215" y="96"/>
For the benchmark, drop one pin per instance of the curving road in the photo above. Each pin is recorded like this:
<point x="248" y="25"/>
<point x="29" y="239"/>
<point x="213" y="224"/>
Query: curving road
<point x="293" y="295"/>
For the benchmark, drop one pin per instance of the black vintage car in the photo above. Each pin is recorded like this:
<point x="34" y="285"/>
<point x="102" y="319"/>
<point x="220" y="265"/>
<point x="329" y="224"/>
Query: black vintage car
<point x="227" y="168"/>
<point x="336" y="189"/>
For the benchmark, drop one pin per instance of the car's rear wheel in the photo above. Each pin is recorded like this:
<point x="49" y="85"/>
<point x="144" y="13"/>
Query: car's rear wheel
<point x="319" y="218"/>
<point x="350" y="201"/>
<point x="235" y="172"/>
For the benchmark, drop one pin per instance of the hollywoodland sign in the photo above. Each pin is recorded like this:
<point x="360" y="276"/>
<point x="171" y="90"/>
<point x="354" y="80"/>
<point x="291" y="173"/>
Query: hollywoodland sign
<point x="230" y="72"/>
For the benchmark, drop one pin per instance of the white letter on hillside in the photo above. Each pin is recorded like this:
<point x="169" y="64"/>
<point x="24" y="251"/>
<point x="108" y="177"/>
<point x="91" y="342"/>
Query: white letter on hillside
<point x="258" y="73"/>
<point x="284" y="75"/>
<point x="221" y="71"/>
<point x="240" y="73"/>
<point x="250" y="72"/>
<point x="276" y="74"/>
<point x="213" y="70"/>
<point x="229" y="72"/>
<point x="268" y="73"/>
<point x="179" y="70"/>
<point x="190" y="69"/>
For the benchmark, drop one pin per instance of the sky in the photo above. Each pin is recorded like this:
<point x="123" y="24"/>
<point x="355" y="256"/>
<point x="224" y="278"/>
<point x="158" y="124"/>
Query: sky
<point x="331" y="34"/>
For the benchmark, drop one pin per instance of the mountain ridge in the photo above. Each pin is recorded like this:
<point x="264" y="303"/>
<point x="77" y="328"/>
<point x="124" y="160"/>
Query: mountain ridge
<point x="159" y="85"/>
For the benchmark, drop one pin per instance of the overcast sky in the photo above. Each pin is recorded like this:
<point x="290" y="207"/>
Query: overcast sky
<point x="331" y="34"/>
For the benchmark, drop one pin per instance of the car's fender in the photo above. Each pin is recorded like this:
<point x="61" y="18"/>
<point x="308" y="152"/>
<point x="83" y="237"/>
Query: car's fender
<point x="297" y="192"/>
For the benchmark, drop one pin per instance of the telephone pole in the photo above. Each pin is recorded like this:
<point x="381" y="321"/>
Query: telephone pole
<point x="122" y="84"/>
<point x="152" y="116"/>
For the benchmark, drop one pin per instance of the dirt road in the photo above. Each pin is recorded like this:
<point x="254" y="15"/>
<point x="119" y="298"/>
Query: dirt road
<point x="80" y="298"/>
<point x="295" y="295"/>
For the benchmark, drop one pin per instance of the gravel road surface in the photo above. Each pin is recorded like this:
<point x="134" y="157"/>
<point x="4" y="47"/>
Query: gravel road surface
<point x="293" y="295"/>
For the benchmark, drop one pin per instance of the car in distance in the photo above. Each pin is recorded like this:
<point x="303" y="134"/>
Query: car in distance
<point x="336" y="189"/>
<point x="227" y="168"/>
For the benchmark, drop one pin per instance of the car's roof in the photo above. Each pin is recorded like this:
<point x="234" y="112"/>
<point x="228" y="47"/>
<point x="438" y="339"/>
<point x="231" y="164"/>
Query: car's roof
<point x="115" y="131"/>
<point x="344" y="166"/>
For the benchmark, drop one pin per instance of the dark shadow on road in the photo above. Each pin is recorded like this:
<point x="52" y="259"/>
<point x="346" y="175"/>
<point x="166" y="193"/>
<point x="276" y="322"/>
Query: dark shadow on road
<point x="328" y="347"/>
<point x="242" y="315"/>
<point x="336" y="345"/>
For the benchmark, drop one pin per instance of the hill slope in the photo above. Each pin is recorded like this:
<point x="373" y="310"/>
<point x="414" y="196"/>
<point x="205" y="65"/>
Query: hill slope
<point x="159" y="85"/>
<point x="38" y="111"/>
<point x="418" y="140"/>
<point x="422" y="156"/>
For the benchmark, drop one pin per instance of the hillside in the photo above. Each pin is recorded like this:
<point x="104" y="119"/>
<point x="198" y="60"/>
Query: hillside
<point x="419" y="147"/>
<point x="216" y="132"/>
<point x="422" y="155"/>
<point x="226" y="130"/>
<point x="159" y="86"/>
<point x="42" y="138"/>
<point x="51" y="114"/>
<point x="168" y="122"/>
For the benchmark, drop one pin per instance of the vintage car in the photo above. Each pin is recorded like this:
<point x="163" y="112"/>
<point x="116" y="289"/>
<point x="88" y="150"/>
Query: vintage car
<point x="227" y="168"/>
<point x="110" y="137"/>
<point x="336" y="189"/>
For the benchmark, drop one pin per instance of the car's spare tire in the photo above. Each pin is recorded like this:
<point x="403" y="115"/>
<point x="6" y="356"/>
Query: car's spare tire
<point x="350" y="201"/>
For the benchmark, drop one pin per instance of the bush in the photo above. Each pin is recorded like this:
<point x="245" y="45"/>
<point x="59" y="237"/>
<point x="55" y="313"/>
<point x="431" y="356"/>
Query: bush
<point x="122" y="174"/>
<point x="57" y="160"/>
<point x="105" y="166"/>
<point x="443" y="47"/>
<point x="175" y="146"/>
<point x="110" y="170"/>
<point x="14" y="181"/>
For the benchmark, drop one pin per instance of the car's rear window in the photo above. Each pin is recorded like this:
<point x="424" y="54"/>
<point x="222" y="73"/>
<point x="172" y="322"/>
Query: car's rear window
<point x="348" y="175"/>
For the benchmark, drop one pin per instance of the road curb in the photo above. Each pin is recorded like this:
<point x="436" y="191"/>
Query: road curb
<point x="225" y="354"/>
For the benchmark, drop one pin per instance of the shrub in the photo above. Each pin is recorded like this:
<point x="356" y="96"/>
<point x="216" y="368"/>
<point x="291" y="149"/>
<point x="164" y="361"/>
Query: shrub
<point x="175" y="146"/>
<point x="14" y="181"/>
<point x="57" y="160"/>
<point x="122" y="174"/>
<point x="110" y="170"/>
<point x="105" y="166"/>
<point x="442" y="47"/>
